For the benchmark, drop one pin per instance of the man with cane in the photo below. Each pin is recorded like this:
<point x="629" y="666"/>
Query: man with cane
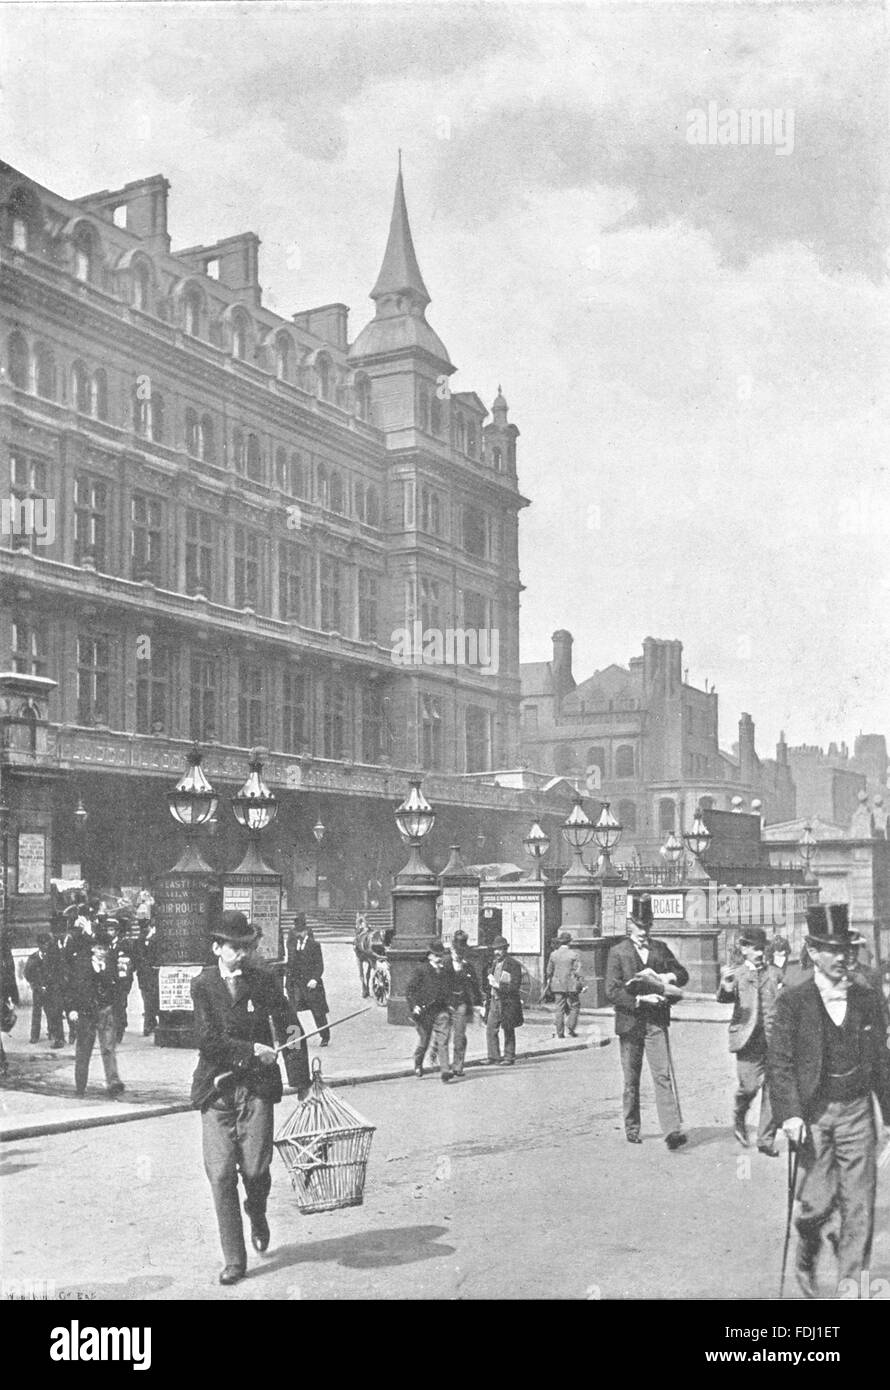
<point x="827" y="1059"/>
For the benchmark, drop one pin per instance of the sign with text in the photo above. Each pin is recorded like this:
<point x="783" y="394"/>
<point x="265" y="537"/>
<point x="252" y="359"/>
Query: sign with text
<point x="667" y="906"/>
<point x="182" y="916"/>
<point x="614" y="910"/>
<point x="32" y="863"/>
<point x="520" y="920"/>
<point x="460" y="912"/>
<point x="258" y="896"/>
<point x="175" y="987"/>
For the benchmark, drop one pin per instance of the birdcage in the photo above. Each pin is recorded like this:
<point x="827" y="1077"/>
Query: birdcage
<point x="325" y="1146"/>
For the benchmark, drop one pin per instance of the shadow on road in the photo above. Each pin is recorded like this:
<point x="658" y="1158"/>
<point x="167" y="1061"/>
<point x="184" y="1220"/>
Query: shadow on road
<point x="399" y="1245"/>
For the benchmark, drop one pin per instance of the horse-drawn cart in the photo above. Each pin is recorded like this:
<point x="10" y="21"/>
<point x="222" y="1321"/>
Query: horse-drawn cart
<point x="370" y="945"/>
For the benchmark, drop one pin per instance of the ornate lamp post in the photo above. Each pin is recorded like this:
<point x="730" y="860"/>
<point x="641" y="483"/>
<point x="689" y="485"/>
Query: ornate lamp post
<point x="191" y="803"/>
<point x="318" y="830"/>
<point x="254" y="807"/>
<point x="578" y="831"/>
<point x="537" y="844"/>
<point x="578" y="891"/>
<point x="697" y="841"/>
<point x="413" y="900"/>
<point x="415" y="818"/>
<point x="672" y="850"/>
<point x="607" y="833"/>
<point x="807" y="847"/>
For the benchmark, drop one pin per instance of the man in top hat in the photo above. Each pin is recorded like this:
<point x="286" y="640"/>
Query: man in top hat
<point x="565" y="981"/>
<point x="93" y="991"/>
<point x="305" y="968"/>
<point x="642" y="977"/>
<point x="503" y="1003"/>
<point x="753" y="989"/>
<point x="240" y="1011"/>
<point x="827" y="1058"/>
<point x="428" y="996"/>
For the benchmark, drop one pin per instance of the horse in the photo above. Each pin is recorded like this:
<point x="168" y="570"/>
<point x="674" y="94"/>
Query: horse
<point x="369" y="945"/>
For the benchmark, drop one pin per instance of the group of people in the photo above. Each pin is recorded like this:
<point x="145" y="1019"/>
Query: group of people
<point x="815" y="1045"/>
<point x="443" y="994"/>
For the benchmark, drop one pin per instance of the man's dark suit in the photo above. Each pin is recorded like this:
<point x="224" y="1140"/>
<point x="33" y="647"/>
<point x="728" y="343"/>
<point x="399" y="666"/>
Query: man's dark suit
<point x="237" y="1115"/>
<point x="429" y="991"/>
<point x="44" y="971"/>
<point x="838" y="1157"/>
<point x="305" y="962"/>
<point x="642" y="1029"/>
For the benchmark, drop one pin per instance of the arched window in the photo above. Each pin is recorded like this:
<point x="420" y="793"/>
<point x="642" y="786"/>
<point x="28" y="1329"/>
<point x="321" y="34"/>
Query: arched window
<point x="84" y="254"/>
<point x="19" y="364"/>
<point x="254" y="459"/>
<point x="45" y="371"/>
<point x="625" y="762"/>
<point x="706" y="803"/>
<point x="460" y="434"/>
<point x="363" y="397"/>
<point x="337" y="493"/>
<point x="596" y="757"/>
<point x="324" y="494"/>
<point x="436" y="416"/>
<point x="140" y="286"/>
<point x="298" y="475"/>
<point x="239" y="339"/>
<point x="81" y="388"/>
<point x="497" y="458"/>
<point x="323" y="369"/>
<point x="192" y="440"/>
<point x="238" y="456"/>
<point x="667" y="816"/>
<point x="564" y="758"/>
<point x="208" y="442"/>
<point x="627" y="816"/>
<point x="100" y="395"/>
<point x="372" y="507"/>
<point x="360" y="501"/>
<point x="283" y="358"/>
<point x="471" y="438"/>
<point x="192" y="312"/>
<point x="423" y="409"/>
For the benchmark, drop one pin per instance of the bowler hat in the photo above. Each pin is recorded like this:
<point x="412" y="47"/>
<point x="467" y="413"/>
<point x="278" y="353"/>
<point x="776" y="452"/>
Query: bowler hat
<point x="502" y="942"/>
<point x="753" y="936"/>
<point x="299" y="921"/>
<point x="565" y="938"/>
<point x="639" y="909"/>
<point x="435" y="948"/>
<point x="828" y="924"/>
<point x="234" y="927"/>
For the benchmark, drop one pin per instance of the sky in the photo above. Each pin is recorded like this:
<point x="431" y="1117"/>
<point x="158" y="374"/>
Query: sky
<point x="692" y="336"/>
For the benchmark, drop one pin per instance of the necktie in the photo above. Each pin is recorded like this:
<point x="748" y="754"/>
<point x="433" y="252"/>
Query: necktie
<point x="232" y="985"/>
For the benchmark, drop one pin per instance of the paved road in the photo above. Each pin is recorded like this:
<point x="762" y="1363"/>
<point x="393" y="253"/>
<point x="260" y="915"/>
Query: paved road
<point x="513" y="1183"/>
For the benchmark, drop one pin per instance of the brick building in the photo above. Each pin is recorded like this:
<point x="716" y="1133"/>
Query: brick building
<point x="829" y="783"/>
<point x="216" y="519"/>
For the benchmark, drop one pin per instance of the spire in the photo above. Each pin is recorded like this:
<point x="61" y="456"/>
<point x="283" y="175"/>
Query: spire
<point x="400" y="273"/>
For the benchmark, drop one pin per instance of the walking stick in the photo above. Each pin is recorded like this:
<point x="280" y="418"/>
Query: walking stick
<point x="224" y="1076"/>
<point x="667" y="1043"/>
<point x="793" y="1165"/>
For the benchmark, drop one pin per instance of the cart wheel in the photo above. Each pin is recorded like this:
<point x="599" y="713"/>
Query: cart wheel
<point x="381" y="984"/>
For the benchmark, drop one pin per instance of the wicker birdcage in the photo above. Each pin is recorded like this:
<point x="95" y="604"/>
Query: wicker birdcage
<point x="325" y="1146"/>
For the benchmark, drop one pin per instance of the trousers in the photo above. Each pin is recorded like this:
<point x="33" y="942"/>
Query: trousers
<point x="460" y="1017"/>
<point x="568" y="1011"/>
<point x="494" y="1022"/>
<point x="839" y="1172"/>
<point x="320" y="1018"/>
<point x="104" y="1026"/>
<point x="148" y="988"/>
<point x="752" y="1078"/>
<point x="44" y="1002"/>
<point x="236" y="1132"/>
<point x="435" y="1028"/>
<point x="655" y="1047"/>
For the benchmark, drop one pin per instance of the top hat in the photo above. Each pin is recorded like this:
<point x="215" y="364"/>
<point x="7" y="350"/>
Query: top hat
<point x="435" y="948"/>
<point x="639" y="909"/>
<point x="502" y="942"/>
<point x="234" y="927"/>
<point x="565" y="937"/>
<point x="828" y="924"/>
<point x="753" y="936"/>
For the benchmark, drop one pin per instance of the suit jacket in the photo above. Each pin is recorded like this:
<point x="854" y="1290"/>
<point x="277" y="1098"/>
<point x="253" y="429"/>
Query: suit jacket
<point x="623" y="963"/>
<point x="89" y="990"/>
<point x="740" y="989"/>
<point x="464" y="984"/>
<point x="45" y="972"/>
<point x="796" y="1052"/>
<point x="304" y="963"/>
<point x="430" y="989"/>
<point x="508" y="992"/>
<point x="564" y="971"/>
<point x="227" y="1028"/>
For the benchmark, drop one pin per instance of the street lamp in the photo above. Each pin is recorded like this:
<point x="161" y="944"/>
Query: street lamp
<point x="254" y="807"/>
<point x="318" y="830"/>
<point x="672" y="850"/>
<point x="192" y="803"/>
<point x="81" y="815"/>
<point x="807" y="846"/>
<point x="607" y="833"/>
<point x="577" y="831"/>
<point x="697" y="841"/>
<point x="537" y="843"/>
<point x="415" y="818"/>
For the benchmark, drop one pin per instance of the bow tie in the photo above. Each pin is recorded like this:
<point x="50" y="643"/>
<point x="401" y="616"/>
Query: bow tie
<point x="837" y="992"/>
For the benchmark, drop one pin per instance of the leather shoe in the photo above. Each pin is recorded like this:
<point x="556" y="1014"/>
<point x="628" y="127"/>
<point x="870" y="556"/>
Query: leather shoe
<point x="446" y="1075"/>
<point x="231" y="1274"/>
<point x="259" y="1233"/>
<point x="741" y="1134"/>
<point x="634" y="1139"/>
<point x="805" y="1273"/>
<point x="418" y="1071"/>
<point x="676" y="1140"/>
<point x="767" y="1150"/>
<point x="116" y="1088"/>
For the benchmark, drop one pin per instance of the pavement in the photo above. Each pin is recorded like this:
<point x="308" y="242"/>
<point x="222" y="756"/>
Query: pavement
<point x="37" y="1096"/>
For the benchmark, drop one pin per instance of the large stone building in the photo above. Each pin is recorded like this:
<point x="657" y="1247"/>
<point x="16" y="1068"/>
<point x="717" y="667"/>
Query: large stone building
<point x="829" y="783"/>
<point x="217" y="518"/>
<point x="646" y="740"/>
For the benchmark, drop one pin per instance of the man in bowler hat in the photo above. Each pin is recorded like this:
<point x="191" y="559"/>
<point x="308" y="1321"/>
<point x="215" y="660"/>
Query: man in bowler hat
<point x="428" y="996"/>
<point x="565" y="979"/>
<point x="642" y="976"/>
<point x="240" y="1011"/>
<point x="303" y="979"/>
<point x="93" y="991"/>
<point x="827" y="1059"/>
<point x="753" y="989"/>
<point x="503" y="995"/>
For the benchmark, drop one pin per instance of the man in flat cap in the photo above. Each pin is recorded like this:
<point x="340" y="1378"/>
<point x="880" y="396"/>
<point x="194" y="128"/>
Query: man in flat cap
<point x="428" y="996"/>
<point x="753" y="989"/>
<point x="240" y="1011"/>
<point x="503" y="996"/>
<point x="642" y="977"/>
<point x="827" y="1059"/>
<point x="564" y="979"/>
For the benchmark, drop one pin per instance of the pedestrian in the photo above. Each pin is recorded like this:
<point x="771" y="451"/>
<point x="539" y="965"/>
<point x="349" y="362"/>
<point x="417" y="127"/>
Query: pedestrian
<point x="43" y="971"/>
<point x="643" y="1018"/>
<point x="122" y="946"/>
<point x="93" y="1005"/>
<point x="305" y="968"/>
<point x="799" y="971"/>
<point x="428" y="996"/>
<point x="145" y="961"/>
<point x="753" y="989"/>
<point x="827" y="1058"/>
<point x="565" y="981"/>
<point x="465" y="995"/>
<point x="778" y="953"/>
<point x="240" y="1010"/>
<point x="503" y="1007"/>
